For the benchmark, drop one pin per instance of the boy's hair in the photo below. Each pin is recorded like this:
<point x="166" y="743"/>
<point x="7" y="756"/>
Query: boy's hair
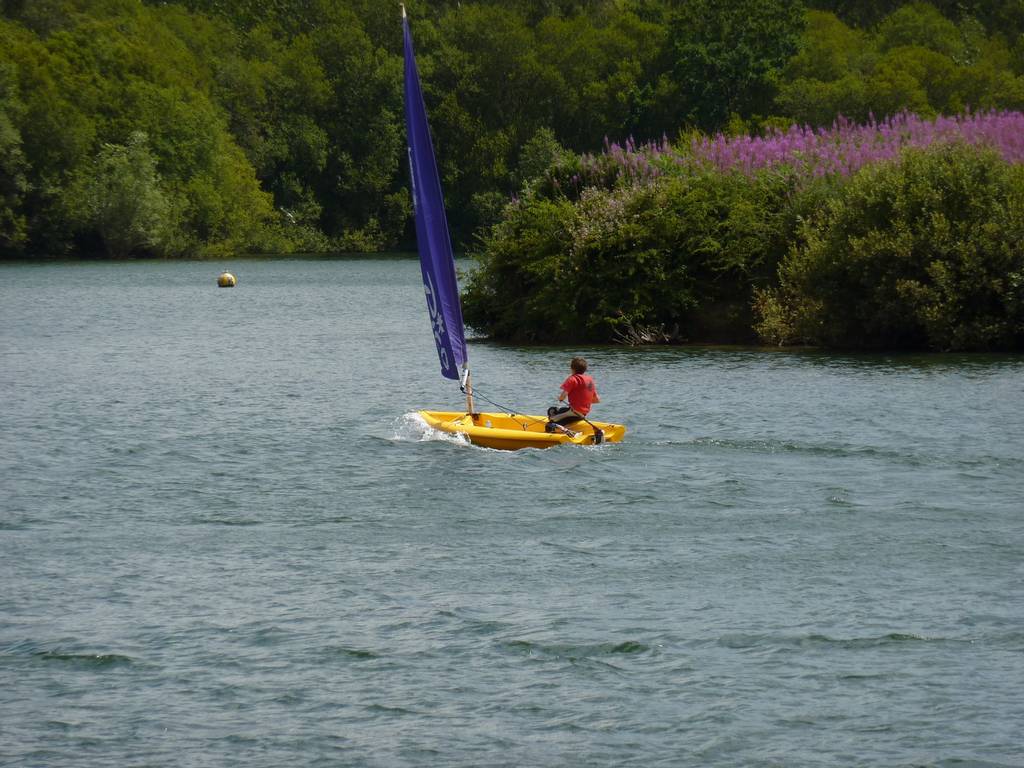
<point x="579" y="365"/>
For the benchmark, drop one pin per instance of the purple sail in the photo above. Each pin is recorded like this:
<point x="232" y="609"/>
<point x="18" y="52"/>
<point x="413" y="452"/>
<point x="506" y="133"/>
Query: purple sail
<point x="435" y="246"/>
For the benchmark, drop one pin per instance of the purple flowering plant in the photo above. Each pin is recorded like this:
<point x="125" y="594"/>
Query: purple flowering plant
<point x="837" y="150"/>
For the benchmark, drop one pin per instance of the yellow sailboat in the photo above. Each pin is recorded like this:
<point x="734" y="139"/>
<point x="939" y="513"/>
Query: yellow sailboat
<point x="511" y="431"/>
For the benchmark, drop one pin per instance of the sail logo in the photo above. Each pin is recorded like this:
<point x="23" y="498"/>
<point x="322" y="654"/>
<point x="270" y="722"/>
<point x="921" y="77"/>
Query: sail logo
<point x="436" y="322"/>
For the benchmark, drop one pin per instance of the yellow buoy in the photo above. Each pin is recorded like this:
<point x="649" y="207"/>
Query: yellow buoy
<point x="226" y="280"/>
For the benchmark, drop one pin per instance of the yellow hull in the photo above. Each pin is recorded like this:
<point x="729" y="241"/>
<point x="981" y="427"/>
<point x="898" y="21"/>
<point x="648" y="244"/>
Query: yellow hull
<point x="509" y="432"/>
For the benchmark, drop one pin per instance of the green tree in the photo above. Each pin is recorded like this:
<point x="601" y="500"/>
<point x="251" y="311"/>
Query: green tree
<point x="922" y="25"/>
<point x="359" y="182"/>
<point x="487" y="91"/>
<point x="606" y="66"/>
<point x="118" y="196"/>
<point x="1001" y="17"/>
<point x="538" y="154"/>
<point x="728" y="56"/>
<point x="915" y="60"/>
<point x="13" y="186"/>
<point x="14" y="183"/>
<point x="829" y="50"/>
<point x="826" y="77"/>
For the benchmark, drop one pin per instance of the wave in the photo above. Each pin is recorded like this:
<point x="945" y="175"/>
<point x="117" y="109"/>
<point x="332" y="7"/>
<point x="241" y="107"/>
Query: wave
<point x="359" y="654"/>
<point x="384" y="709"/>
<point x="239" y="522"/>
<point x="85" y="659"/>
<point x="55" y="653"/>
<point x="768" y="445"/>
<point x="741" y="641"/>
<point x="574" y="652"/>
<point x="410" y="427"/>
<point x="71" y="658"/>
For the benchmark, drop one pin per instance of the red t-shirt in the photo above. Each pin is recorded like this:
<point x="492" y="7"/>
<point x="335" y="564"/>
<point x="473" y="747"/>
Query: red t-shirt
<point x="581" y="391"/>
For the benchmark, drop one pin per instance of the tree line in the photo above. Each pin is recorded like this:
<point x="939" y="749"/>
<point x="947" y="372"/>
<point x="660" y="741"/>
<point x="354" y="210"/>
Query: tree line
<point x="206" y="127"/>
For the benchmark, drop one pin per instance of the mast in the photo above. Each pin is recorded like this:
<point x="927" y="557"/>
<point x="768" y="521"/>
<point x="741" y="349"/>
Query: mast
<point x="467" y="386"/>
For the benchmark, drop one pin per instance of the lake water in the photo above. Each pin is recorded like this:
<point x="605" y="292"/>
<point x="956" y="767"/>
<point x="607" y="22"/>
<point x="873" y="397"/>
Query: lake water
<point x="224" y="543"/>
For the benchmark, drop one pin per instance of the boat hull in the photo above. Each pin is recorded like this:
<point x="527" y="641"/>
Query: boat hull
<point x="510" y="432"/>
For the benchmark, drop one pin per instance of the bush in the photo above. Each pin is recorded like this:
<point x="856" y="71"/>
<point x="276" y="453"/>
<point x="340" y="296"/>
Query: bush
<point x="513" y="294"/>
<point x="680" y="253"/>
<point x="925" y="252"/>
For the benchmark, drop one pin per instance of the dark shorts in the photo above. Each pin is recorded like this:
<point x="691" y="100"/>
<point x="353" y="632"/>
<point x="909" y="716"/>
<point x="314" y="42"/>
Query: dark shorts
<point x="563" y="415"/>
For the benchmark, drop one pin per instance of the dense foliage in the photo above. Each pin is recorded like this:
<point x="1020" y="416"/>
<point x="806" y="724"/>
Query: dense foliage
<point x="277" y="124"/>
<point x="904" y="233"/>
<point x="930" y="255"/>
<point x="115" y="140"/>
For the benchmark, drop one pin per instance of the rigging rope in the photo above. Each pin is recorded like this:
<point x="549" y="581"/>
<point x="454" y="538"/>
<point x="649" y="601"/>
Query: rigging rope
<point x="598" y="434"/>
<point x="510" y="411"/>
